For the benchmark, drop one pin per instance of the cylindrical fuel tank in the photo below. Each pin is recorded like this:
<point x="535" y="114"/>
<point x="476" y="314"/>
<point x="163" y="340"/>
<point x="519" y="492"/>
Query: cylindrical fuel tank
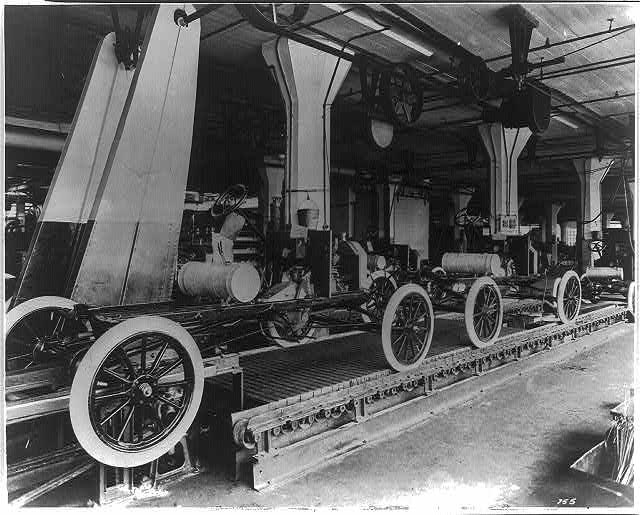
<point x="467" y="263"/>
<point x="603" y="272"/>
<point x="235" y="281"/>
<point x="376" y="262"/>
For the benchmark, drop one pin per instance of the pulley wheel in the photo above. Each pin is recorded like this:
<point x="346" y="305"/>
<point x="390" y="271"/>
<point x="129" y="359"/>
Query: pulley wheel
<point x="407" y="327"/>
<point x="569" y="297"/>
<point x="136" y="392"/>
<point x="402" y="95"/>
<point x="483" y="312"/>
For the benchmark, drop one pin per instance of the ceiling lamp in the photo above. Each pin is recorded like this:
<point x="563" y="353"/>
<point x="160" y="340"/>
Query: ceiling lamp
<point x="364" y="19"/>
<point x="565" y="121"/>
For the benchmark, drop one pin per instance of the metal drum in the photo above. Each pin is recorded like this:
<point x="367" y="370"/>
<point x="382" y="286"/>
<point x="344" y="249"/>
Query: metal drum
<point x="467" y="263"/>
<point x="235" y="281"/>
<point x="603" y="272"/>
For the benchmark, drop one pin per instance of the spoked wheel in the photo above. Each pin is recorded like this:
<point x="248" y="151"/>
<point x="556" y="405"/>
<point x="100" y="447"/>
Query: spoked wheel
<point x="292" y="327"/>
<point x="39" y="330"/>
<point x="383" y="285"/>
<point x="483" y="312"/>
<point x="407" y="327"/>
<point x="402" y="95"/>
<point x="136" y="391"/>
<point x="569" y="297"/>
<point x="631" y="300"/>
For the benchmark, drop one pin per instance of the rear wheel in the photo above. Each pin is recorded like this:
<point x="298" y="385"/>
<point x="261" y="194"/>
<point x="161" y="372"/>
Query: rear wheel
<point x="483" y="312"/>
<point x="137" y="391"/>
<point x="39" y="330"/>
<point x="569" y="297"/>
<point x="407" y="327"/>
<point x="631" y="299"/>
<point x="383" y="285"/>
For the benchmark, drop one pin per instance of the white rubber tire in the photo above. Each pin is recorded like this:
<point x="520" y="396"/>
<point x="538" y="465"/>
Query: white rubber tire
<point x="377" y="275"/>
<point x="387" y="321"/>
<point x="469" y="309"/>
<point x="564" y="280"/>
<point x="83" y="379"/>
<point x="631" y="299"/>
<point x="32" y="305"/>
<point x="438" y="270"/>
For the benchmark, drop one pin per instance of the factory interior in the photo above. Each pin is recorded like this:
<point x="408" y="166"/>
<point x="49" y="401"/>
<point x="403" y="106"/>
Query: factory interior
<point x="319" y="255"/>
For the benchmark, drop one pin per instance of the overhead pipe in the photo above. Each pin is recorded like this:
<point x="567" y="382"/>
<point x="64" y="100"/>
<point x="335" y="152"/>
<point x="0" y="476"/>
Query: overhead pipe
<point x="33" y="139"/>
<point x="565" y="42"/>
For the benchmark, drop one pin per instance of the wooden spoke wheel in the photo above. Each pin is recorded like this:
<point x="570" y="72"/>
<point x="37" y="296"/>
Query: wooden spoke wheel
<point x="270" y="17"/>
<point x="230" y="200"/>
<point x="483" y="312"/>
<point x="383" y="285"/>
<point x="569" y="297"/>
<point x="136" y="391"/>
<point x="292" y="327"/>
<point x="402" y="94"/>
<point x="631" y="300"/>
<point x="407" y="327"/>
<point x="39" y="330"/>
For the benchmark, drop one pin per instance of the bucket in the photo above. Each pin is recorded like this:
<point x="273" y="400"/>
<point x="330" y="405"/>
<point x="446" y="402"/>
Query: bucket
<point x="308" y="214"/>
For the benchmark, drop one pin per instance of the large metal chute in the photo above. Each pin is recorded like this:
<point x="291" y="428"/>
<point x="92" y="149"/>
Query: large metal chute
<point x="55" y="244"/>
<point x="131" y="251"/>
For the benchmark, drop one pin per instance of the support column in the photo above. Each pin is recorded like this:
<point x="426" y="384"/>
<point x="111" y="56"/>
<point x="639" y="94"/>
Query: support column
<point x="309" y="80"/>
<point x="551" y="218"/>
<point x="272" y="176"/>
<point x="503" y="147"/>
<point x="591" y="171"/>
<point x="564" y="229"/>
<point x="382" y="192"/>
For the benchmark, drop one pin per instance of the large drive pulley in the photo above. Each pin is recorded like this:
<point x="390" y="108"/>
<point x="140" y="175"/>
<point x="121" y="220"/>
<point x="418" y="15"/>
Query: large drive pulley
<point x="402" y="94"/>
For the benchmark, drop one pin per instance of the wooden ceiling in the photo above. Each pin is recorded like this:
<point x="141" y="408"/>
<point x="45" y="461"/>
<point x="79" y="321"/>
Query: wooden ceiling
<point x="227" y="39"/>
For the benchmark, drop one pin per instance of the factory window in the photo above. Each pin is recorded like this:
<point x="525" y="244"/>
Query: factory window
<point x="571" y="235"/>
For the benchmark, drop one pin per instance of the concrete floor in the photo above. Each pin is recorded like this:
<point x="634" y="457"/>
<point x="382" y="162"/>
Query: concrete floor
<point x="508" y="447"/>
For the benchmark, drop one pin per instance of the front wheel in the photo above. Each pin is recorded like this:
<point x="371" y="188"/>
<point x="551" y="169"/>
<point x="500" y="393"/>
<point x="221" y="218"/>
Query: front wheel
<point x="483" y="312"/>
<point x="136" y="391"/>
<point x="569" y="297"/>
<point x="407" y="327"/>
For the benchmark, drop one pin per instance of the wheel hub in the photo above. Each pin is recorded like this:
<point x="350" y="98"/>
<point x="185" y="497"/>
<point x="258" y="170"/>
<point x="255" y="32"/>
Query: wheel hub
<point x="143" y="388"/>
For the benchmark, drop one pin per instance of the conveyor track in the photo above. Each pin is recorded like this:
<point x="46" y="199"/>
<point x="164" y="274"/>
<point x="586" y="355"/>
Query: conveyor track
<point x="308" y="395"/>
